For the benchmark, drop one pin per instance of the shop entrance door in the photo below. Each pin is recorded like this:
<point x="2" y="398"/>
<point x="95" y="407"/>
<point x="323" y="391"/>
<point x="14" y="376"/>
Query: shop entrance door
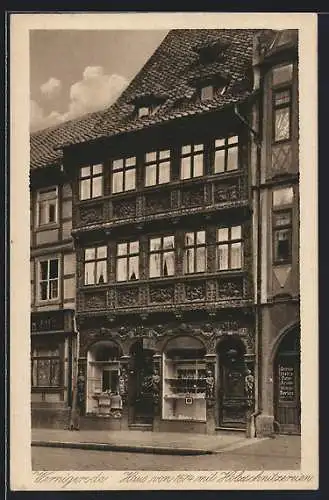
<point x="287" y="385"/>
<point x="141" y="384"/>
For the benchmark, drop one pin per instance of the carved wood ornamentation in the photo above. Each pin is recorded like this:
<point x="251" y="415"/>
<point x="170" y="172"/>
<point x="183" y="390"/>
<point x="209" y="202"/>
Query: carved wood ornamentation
<point x="89" y="215"/>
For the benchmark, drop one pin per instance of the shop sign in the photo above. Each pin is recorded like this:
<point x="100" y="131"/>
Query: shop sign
<point x="47" y="322"/>
<point x="286" y="383"/>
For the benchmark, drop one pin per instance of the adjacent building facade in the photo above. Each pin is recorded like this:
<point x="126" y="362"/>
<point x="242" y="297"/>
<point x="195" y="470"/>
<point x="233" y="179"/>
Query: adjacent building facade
<point x="183" y="278"/>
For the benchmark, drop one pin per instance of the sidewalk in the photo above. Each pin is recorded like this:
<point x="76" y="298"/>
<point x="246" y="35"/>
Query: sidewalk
<point x="172" y="443"/>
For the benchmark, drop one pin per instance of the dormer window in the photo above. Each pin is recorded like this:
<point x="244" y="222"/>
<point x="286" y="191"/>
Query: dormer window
<point x="207" y="92"/>
<point x="146" y="104"/>
<point x="143" y="111"/>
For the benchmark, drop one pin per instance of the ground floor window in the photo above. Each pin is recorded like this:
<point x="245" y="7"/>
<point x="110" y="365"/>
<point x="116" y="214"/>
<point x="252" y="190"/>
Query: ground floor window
<point x="46" y="369"/>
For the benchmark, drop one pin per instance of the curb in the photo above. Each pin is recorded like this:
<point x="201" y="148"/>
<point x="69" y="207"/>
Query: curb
<point x="156" y="450"/>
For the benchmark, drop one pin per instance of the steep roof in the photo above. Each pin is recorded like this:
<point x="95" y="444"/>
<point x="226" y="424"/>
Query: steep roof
<point x="170" y="76"/>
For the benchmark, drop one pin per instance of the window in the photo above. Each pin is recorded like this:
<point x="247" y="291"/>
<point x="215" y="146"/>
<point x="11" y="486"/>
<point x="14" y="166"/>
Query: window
<point x="282" y="229"/>
<point x="124" y="174"/>
<point x="95" y="265"/>
<point x="283" y="196"/>
<point x="229" y="248"/>
<point x="226" y="154"/>
<point x="46" y="367"/>
<point x="143" y="111"/>
<point x="282" y="74"/>
<point x="128" y="261"/>
<point x="48" y="279"/>
<point x="191" y="161"/>
<point x="162" y="256"/>
<point x="207" y="92"/>
<point x="157" y="167"/>
<point x="110" y="380"/>
<point x="281" y="115"/>
<point x="195" y="252"/>
<point x="91" y="182"/>
<point x="47" y="206"/>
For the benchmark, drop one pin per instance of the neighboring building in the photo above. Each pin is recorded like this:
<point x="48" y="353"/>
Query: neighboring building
<point x="181" y="305"/>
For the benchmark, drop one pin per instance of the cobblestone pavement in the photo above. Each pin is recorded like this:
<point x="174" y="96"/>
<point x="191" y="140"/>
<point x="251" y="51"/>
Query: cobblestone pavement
<point x="281" y="453"/>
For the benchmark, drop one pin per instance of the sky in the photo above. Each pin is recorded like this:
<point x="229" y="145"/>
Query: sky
<point x="74" y="72"/>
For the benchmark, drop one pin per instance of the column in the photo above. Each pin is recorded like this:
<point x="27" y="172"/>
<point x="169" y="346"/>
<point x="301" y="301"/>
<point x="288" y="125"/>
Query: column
<point x="157" y="391"/>
<point x="123" y="389"/>
<point x="210" y="392"/>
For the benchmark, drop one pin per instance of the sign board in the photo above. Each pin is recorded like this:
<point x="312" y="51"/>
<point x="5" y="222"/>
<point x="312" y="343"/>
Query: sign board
<point x="287" y="383"/>
<point x="46" y="322"/>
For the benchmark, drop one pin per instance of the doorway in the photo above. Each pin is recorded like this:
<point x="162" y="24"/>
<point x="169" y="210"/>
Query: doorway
<point x="141" y="384"/>
<point x="287" y="384"/>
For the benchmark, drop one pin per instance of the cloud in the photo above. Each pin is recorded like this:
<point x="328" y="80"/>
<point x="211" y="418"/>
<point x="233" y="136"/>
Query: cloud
<point x="95" y="91"/>
<point x="51" y="88"/>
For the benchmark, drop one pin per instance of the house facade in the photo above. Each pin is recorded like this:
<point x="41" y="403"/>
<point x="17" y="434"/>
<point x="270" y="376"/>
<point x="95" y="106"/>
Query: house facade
<point x="181" y="198"/>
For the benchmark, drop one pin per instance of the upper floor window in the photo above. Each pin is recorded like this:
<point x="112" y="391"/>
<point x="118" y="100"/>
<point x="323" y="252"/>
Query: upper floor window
<point x="282" y="74"/>
<point x="48" y="279"/>
<point x="162" y="256"/>
<point x="283" y="196"/>
<point x="47" y="201"/>
<point x="191" y="161"/>
<point x="124" y="174"/>
<point x="157" y="167"/>
<point x="281" y="115"/>
<point x="282" y="224"/>
<point x="128" y="261"/>
<point x="195" y="252"/>
<point x="229" y="248"/>
<point x="91" y="181"/>
<point x="46" y="367"/>
<point x="226" y="154"/>
<point x="95" y="265"/>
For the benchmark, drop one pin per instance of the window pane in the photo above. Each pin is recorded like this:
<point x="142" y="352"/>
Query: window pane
<point x="222" y="256"/>
<point x="282" y="219"/>
<point x="43" y="372"/>
<point x="44" y="270"/>
<point x="97" y="169"/>
<point x="232" y="158"/>
<point x="150" y="175"/>
<point x="130" y="179"/>
<point x="101" y="274"/>
<point x="155" y="263"/>
<point x="122" y="249"/>
<point x="97" y="186"/>
<point x="198" y="166"/>
<point x="85" y="189"/>
<point x="43" y="290"/>
<point x="222" y="234"/>
<point x="282" y="74"/>
<point x="52" y="211"/>
<point x="219" y="142"/>
<point x="90" y="253"/>
<point x="150" y="156"/>
<point x="235" y="232"/>
<point x="101" y="252"/>
<point x="186" y="149"/>
<point x="144" y="111"/>
<point x="220" y="161"/>
<point x="133" y="268"/>
<point x="168" y="263"/>
<point x="207" y="92"/>
<point x="198" y="147"/>
<point x="200" y="259"/>
<point x="236" y="256"/>
<point x="117" y="164"/>
<point x="189" y="260"/>
<point x="189" y="239"/>
<point x="54" y="372"/>
<point x="53" y="289"/>
<point x="282" y="124"/>
<point x="283" y="196"/>
<point x="282" y="245"/>
<point x="117" y="182"/>
<point x="89" y="273"/>
<point x="164" y="154"/>
<point x="155" y="244"/>
<point x="282" y="97"/>
<point x="85" y="172"/>
<point x="131" y="161"/>
<point x="53" y="272"/>
<point x="122" y="269"/>
<point x="134" y="247"/>
<point x="43" y="212"/>
<point x="168" y="242"/>
<point x="164" y="172"/>
<point x="233" y="139"/>
<point x="200" y="237"/>
<point x="185" y="168"/>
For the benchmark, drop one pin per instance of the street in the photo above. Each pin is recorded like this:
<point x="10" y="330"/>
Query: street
<point x="282" y="453"/>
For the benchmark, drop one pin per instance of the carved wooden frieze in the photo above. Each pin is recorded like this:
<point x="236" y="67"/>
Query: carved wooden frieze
<point x="227" y="192"/>
<point x="161" y="294"/>
<point x="195" y="291"/>
<point x="123" y="209"/>
<point x="96" y="300"/>
<point x="193" y="196"/>
<point x="211" y="290"/>
<point x="157" y="202"/>
<point x="230" y="288"/>
<point x="127" y="297"/>
<point x="91" y="214"/>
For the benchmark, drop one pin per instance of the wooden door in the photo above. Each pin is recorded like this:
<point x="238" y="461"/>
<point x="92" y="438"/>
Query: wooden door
<point x="232" y="408"/>
<point x="141" y="383"/>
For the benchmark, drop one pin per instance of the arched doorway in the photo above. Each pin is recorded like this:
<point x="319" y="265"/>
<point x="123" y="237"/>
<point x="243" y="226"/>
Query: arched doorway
<point x="287" y="384"/>
<point x="231" y="383"/>
<point x="140" y="384"/>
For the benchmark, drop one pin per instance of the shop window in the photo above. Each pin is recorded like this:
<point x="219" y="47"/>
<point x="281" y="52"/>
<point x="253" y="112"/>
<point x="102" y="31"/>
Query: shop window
<point x="124" y="174"/>
<point x="229" y="248"/>
<point x="195" y="252"/>
<point x="157" y="167"/>
<point x="226" y="154"/>
<point x="162" y="256"/>
<point x="95" y="265"/>
<point x="282" y="229"/>
<point x="49" y="279"/>
<point x="46" y="367"/>
<point x="91" y="182"/>
<point x="110" y="380"/>
<point x="281" y="115"/>
<point x="191" y="161"/>
<point x="128" y="261"/>
<point x="47" y="206"/>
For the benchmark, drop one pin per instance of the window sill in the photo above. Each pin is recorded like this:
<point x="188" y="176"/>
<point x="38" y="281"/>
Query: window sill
<point x="47" y="227"/>
<point x="46" y="388"/>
